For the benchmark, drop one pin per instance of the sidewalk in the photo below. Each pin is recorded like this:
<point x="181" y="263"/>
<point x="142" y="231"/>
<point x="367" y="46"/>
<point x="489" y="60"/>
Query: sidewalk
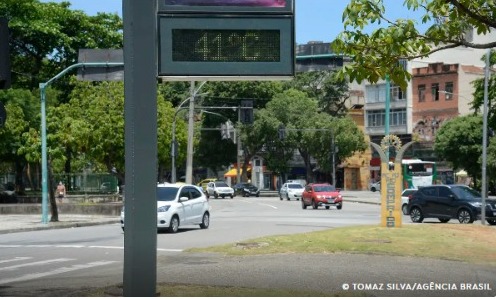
<point x="29" y="222"/>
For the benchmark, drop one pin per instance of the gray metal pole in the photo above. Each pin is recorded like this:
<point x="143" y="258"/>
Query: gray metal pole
<point x="44" y="163"/>
<point x="173" y="150"/>
<point x="333" y="148"/>
<point x="140" y="113"/>
<point x="191" y="124"/>
<point x="238" y="148"/>
<point x="484" y="139"/>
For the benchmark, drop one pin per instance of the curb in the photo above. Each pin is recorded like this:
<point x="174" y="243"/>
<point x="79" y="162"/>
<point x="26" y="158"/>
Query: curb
<point x="57" y="226"/>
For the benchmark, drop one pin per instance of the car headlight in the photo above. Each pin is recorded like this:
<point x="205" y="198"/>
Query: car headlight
<point x="476" y="204"/>
<point x="163" y="209"/>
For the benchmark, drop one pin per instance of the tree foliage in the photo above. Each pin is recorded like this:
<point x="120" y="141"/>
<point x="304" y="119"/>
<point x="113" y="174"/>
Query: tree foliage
<point x="376" y="54"/>
<point x="459" y="141"/>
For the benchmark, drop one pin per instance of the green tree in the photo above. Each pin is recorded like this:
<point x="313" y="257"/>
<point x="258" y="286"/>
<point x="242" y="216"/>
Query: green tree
<point x="330" y="90"/>
<point x="376" y="54"/>
<point x="459" y="141"/>
<point x="46" y="37"/>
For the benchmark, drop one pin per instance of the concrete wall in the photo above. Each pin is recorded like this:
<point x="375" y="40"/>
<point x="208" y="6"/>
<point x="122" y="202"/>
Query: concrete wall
<point x="110" y="209"/>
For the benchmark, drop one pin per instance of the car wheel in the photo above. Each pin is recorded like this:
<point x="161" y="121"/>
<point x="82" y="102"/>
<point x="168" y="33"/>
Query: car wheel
<point x="464" y="216"/>
<point x="314" y="205"/>
<point x="208" y="196"/>
<point x="174" y="225"/>
<point x="232" y="196"/>
<point x="327" y="207"/>
<point x="258" y="195"/>
<point x="205" y="221"/>
<point x="373" y="189"/>
<point x="444" y="220"/>
<point x="416" y="215"/>
<point x="303" y="205"/>
<point x="490" y="221"/>
<point x="404" y="209"/>
<point x="216" y="195"/>
<point x="287" y="196"/>
<point x="222" y="196"/>
<point x="280" y="196"/>
<point x="339" y="207"/>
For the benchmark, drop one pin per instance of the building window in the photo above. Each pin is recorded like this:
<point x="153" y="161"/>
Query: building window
<point x="421" y="93"/>
<point x="448" y="88"/>
<point x="435" y="91"/>
<point x="397" y="93"/>
<point x="377" y="118"/>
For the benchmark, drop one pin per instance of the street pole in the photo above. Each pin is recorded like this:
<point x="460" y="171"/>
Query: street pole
<point x="44" y="159"/>
<point x="484" y="138"/>
<point x="191" y="123"/>
<point x="388" y="104"/>
<point x="238" y="147"/>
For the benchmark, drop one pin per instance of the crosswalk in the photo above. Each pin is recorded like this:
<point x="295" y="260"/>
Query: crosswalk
<point x="25" y="268"/>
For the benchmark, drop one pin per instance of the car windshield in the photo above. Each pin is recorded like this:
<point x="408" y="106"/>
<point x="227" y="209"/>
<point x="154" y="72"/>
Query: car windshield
<point x="221" y="184"/>
<point x="295" y="186"/>
<point x="167" y="193"/>
<point x="327" y="188"/>
<point x="464" y="192"/>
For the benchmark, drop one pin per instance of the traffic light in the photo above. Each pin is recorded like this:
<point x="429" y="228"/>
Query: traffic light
<point x="4" y="54"/>
<point x="247" y="112"/>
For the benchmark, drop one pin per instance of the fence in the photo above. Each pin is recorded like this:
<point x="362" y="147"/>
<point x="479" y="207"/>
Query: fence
<point x="78" y="183"/>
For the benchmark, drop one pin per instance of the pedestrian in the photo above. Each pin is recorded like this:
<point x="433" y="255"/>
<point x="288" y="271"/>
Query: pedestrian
<point x="60" y="192"/>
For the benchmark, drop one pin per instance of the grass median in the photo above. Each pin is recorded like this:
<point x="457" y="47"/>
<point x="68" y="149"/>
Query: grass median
<point x="471" y="243"/>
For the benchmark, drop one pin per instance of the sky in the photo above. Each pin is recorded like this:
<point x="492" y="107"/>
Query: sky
<point x="315" y="20"/>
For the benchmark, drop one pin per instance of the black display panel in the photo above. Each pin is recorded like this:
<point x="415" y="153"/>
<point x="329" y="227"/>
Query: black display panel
<point x="213" y="45"/>
<point x="226" y="46"/>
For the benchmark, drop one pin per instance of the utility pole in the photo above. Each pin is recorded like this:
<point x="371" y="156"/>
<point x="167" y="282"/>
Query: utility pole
<point x="191" y="123"/>
<point x="238" y="147"/>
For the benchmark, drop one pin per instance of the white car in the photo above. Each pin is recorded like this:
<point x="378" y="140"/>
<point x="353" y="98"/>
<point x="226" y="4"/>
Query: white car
<point x="179" y="205"/>
<point x="375" y="186"/>
<point x="405" y="195"/>
<point x="219" y="188"/>
<point x="291" y="191"/>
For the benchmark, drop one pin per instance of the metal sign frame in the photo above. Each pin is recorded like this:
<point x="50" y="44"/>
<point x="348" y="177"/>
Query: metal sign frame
<point x="226" y="6"/>
<point x="171" y="70"/>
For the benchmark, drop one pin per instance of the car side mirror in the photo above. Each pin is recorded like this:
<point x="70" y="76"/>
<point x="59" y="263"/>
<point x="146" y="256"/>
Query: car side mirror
<point x="184" y="198"/>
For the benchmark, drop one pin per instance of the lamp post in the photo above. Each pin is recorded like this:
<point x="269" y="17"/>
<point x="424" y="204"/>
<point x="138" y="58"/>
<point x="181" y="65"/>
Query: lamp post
<point x="44" y="160"/>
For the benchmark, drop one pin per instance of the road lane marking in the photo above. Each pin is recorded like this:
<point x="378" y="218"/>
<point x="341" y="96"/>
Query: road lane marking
<point x="84" y="246"/>
<point x="33" y="276"/>
<point x="35" y="264"/>
<point x="262" y="204"/>
<point x="16" y="259"/>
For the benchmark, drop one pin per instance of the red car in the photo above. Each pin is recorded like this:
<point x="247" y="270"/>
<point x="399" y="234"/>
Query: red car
<point x="326" y="195"/>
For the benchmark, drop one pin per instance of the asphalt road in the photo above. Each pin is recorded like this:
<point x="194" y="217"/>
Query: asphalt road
<point x="62" y="262"/>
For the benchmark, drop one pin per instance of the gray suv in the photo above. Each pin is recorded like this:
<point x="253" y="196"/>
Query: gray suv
<point x="446" y="202"/>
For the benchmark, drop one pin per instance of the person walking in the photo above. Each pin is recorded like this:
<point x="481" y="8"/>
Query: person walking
<point x="60" y="192"/>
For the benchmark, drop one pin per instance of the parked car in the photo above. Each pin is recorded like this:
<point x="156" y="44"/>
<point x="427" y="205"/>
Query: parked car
<point x="7" y="195"/>
<point x="219" y="188"/>
<point x="178" y="205"/>
<point x="291" y="190"/>
<point x="203" y="183"/>
<point x="405" y="196"/>
<point x="317" y="195"/>
<point x="376" y="186"/>
<point x="446" y="202"/>
<point x="246" y="190"/>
